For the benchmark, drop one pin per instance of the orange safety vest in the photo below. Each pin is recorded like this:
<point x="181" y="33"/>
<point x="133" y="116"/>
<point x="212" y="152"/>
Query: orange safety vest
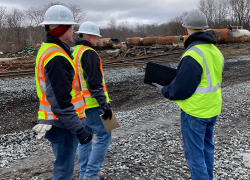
<point x="90" y="102"/>
<point x="45" y="54"/>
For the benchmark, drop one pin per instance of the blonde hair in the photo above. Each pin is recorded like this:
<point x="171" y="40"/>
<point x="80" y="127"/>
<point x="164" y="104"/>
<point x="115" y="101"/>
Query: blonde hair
<point x="195" y="30"/>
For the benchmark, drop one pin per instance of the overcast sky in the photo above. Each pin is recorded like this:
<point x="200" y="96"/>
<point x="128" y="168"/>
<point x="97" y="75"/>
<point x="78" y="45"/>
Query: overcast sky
<point x="132" y="11"/>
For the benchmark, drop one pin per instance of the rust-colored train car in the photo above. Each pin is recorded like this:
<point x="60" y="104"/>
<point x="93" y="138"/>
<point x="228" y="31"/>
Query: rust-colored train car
<point x="224" y="36"/>
<point x="109" y="43"/>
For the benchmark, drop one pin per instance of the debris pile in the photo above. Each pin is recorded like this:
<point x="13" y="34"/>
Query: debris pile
<point x="17" y="64"/>
<point x="27" y="53"/>
<point x="139" y="51"/>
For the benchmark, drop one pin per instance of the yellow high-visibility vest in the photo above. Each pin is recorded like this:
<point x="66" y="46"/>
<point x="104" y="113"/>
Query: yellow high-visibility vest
<point x="45" y="54"/>
<point x="206" y="101"/>
<point x="90" y="101"/>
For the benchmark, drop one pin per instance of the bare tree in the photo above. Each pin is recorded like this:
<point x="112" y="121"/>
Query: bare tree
<point x="164" y="29"/>
<point x="15" y="21"/>
<point x="241" y="11"/>
<point x="3" y="13"/>
<point x="175" y="25"/>
<point x="221" y="15"/>
<point x="218" y="12"/>
<point x="78" y="13"/>
<point x="15" y="18"/>
<point x="125" y="30"/>
<point x="112" y="28"/>
<point x="112" y="23"/>
<point x="3" y="31"/>
<point x="140" y="30"/>
<point x="208" y="7"/>
<point x="35" y="16"/>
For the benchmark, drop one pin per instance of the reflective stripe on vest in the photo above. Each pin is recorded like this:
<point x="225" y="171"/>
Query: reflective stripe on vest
<point x="77" y="105"/>
<point x="45" y="107"/>
<point x="90" y="102"/>
<point x="209" y="88"/>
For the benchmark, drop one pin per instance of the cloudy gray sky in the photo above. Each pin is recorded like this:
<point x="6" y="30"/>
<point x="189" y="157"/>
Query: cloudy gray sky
<point x="132" y="11"/>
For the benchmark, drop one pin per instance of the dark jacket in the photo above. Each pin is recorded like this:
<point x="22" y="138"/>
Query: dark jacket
<point x="189" y="71"/>
<point x="92" y="74"/>
<point x="59" y="75"/>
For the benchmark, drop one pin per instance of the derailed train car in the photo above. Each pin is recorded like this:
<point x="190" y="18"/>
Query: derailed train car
<point x="224" y="36"/>
<point x="149" y="41"/>
<point x="109" y="43"/>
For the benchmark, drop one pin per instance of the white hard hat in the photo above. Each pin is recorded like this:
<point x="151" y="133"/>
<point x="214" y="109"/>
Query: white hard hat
<point x="195" y="20"/>
<point x="89" y="27"/>
<point x="59" y="15"/>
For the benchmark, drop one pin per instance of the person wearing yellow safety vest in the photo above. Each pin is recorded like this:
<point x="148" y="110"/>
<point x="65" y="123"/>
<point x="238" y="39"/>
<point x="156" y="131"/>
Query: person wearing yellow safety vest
<point x="61" y="116"/>
<point x="89" y="67"/>
<point x="197" y="90"/>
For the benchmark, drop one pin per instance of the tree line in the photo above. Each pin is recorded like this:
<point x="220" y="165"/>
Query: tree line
<point x="21" y="28"/>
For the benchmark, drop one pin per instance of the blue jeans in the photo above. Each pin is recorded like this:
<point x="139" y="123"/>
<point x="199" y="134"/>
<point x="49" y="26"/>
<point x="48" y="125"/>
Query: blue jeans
<point x="90" y="159"/>
<point x="64" y="145"/>
<point x="198" y="145"/>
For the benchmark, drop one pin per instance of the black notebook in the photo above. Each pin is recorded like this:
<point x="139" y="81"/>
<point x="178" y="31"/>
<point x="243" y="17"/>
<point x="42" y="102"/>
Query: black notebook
<point x="159" y="74"/>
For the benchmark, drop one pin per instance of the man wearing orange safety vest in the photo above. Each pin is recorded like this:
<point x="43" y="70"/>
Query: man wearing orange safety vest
<point x="61" y="116"/>
<point x="89" y="67"/>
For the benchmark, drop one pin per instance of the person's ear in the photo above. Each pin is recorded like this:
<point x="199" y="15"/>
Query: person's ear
<point x="89" y="37"/>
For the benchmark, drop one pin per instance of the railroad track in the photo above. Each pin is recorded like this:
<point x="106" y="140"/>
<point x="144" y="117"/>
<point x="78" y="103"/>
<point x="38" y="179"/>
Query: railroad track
<point x="141" y="60"/>
<point x="16" y="74"/>
<point x="123" y="64"/>
<point x="133" y="62"/>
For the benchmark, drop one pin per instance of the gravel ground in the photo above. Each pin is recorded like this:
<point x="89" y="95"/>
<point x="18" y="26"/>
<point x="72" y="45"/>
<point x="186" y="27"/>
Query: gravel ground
<point x="147" y="145"/>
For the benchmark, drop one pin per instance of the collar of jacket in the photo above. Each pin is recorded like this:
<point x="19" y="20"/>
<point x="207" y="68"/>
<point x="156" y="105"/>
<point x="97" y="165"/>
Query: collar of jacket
<point x="83" y="42"/>
<point x="200" y="36"/>
<point x="57" y="41"/>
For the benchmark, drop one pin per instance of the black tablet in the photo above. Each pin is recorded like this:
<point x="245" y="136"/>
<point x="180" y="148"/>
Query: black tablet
<point x="159" y="74"/>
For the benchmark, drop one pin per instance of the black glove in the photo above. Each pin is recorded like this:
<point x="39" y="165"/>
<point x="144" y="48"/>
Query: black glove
<point x="83" y="136"/>
<point x="107" y="112"/>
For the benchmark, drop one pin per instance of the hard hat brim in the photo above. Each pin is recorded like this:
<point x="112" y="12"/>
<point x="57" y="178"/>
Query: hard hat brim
<point x="192" y="27"/>
<point x="56" y="22"/>
<point x="82" y="32"/>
